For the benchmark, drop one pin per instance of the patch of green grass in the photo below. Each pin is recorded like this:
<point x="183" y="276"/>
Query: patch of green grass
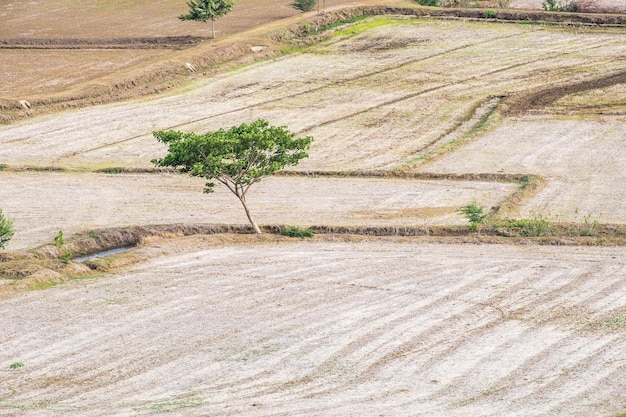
<point x="177" y="404"/>
<point x="617" y="321"/>
<point x="536" y="226"/>
<point x="295" y="231"/>
<point x="361" y="27"/>
<point x="39" y="405"/>
<point x="67" y="255"/>
<point x="16" y="365"/>
<point x="587" y="227"/>
<point x="491" y="14"/>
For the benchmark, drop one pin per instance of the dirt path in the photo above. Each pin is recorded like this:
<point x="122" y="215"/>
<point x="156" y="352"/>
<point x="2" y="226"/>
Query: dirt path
<point x="319" y="328"/>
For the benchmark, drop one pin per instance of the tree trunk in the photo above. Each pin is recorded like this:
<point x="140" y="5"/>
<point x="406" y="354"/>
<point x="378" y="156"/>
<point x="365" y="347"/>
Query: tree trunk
<point x="213" y="27"/>
<point x="252" y="222"/>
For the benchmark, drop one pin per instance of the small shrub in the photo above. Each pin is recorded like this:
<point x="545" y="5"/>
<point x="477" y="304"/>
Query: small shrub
<point x="588" y="226"/>
<point x="304" y="5"/>
<point x="474" y="213"/>
<point x="59" y="239"/>
<point x="66" y="256"/>
<point x="434" y="3"/>
<point x="6" y="230"/>
<point x="296" y="231"/>
<point x="491" y="14"/>
<point x="16" y="365"/>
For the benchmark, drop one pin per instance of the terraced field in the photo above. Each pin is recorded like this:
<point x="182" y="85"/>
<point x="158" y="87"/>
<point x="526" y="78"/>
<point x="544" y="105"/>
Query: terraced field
<point x="338" y="325"/>
<point x="376" y="327"/>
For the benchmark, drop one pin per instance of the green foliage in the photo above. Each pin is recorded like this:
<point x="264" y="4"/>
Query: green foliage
<point x="59" y="239"/>
<point x="434" y="3"/>
<point x="66" y="256"/>
<point x="536" y="226"/>
<point x="588" y="226"/>
<point x="304" y="5"/>
<point x="16" y="365"/>
<point x="6" y="230"/>
<point x="205" y="10"/>
<point x="474" y="213"/>
<point x="559" y="6"/>
<point x="491" y="14"/>
<point x="295" y="231"/>
<point x="237" y="158"/>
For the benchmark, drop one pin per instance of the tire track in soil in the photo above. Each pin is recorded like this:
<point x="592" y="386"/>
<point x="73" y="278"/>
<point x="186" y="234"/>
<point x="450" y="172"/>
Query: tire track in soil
<point x="539" y="99"/>
<point x="461" y="380"/>
<point x="371" y="291"/>
<point x="590" y="362"/>
<point x="331" y="85"/>
<point x="386" y="333"/>
<point x="345" y="82"/>
<point x="600" y="387"/>
<point x="393" y="330"/>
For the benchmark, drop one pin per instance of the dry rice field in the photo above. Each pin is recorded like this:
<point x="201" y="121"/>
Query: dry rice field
<point x="337" y="325"/>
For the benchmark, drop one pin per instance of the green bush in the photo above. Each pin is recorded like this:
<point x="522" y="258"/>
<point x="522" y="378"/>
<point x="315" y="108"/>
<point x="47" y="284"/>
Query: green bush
<point x="304" y="5"/>
<point x="59" y="239"/>
<point x="428" y="2"/>
<point x="491" y="14"/>
<point x="296" y="231"/>
<point x="474" y="213"/>
<point x="67" y="255"/>
<point x="6" y="230"/>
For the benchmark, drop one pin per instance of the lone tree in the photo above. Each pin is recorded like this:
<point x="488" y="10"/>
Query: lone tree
<point x="237" y="157"/>
<point x="6" y="230"/>
<point x="205" y="10"/>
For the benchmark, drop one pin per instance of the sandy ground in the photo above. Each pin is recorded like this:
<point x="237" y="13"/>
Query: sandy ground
<point x="581" y="160"/>
<point x="321" y="328"/>
<point x="372" y="327"/>
<point x="75" y="202"/>
<point x="376" y="101"/>
<point x="616" y="6"/>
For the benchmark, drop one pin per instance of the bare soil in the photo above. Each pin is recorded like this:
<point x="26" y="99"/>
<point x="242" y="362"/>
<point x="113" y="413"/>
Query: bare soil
<point x="337" y="325"/>
<point x="377" y="327"/>
<point x="74" y="202"/>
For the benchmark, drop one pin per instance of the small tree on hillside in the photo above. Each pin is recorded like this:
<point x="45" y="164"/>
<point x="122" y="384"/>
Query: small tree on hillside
<point x="6" y="230"/>
<point x="304" y="5"/>
<point x="205" y="10"/>
<point x="237" y="158"/>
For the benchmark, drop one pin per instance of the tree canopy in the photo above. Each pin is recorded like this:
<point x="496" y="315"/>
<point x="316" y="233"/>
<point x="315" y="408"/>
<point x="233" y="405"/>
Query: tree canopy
<point x="238" y="157"/>
<point x="205" y="10"/>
